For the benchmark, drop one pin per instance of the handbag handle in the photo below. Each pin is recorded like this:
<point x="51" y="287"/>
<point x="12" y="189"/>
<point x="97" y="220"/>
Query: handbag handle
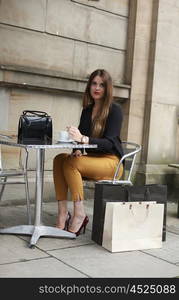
<point x="35" y="112"/>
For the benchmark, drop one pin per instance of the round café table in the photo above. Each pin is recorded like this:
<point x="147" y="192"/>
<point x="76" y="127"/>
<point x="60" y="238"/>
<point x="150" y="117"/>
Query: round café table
<point x="38" y="229"/>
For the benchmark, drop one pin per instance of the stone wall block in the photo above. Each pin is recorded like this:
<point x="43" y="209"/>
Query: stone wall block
<point x="166" y="87"/>
<point x="63" y="109"/>
<point x="135" y="129"/>
<point x="93" y="26"/>
<point x="55" y="105"/>
<point x="33" y="49"/>
<point x="111" y="60"/>
<point x="4" y="104"/>
<point x="140" y="80"/>
<point x="87" y="58"/>
<point x="162" y="135"/>
<point x="166" y="6"/>
<point x="114" y="6"/>
<point x="108" y="30"/>
<point x="67" y="19"/>
<point x="24" y="13"/>
<point x="80" y="59"/>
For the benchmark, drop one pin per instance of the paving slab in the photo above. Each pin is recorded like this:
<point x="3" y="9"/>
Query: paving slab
<point x="18" y="214"/>
<point x="14" y="249"/>
<point x="39" y="268"/>
<point x="172" y="214"/>
<point x="173" y="229"/>
<point x="49" y="243"/>
<point x="81" y="257"/>
<point x="95" y="261"/>
<point x="169" y="250"/>
<point x="13" y="215"/>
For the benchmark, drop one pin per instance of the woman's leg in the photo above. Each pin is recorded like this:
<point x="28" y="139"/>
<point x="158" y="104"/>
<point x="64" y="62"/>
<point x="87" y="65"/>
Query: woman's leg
<point x="78" y="215"/>
<point x="75" y="168"/>
<point x="93" y="167"/>
<point x="61" y="185"/>
<point x="61" y="189"/>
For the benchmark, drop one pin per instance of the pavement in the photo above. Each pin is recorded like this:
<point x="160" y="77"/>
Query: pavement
<point x="81" y="257"/>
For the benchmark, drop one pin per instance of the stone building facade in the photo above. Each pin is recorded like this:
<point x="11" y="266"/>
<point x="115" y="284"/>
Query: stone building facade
<point x="48" y="49"/>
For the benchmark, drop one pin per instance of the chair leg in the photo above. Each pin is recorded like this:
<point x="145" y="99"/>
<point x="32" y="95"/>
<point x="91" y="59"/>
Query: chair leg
<point x="27" y="199"/>
<point x="2" y="187"/>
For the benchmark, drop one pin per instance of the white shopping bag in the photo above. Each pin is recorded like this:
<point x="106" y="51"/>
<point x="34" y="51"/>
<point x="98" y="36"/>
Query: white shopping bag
<point x="132" y="226"/>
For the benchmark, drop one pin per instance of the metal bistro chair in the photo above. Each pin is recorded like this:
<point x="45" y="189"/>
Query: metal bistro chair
<point x="19" y="173"/>
<point x="130" y="152"/>
<point x="107" y="190"/>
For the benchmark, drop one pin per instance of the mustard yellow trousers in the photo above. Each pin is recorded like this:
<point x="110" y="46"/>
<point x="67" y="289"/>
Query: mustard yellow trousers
<point x="68" y="172"/>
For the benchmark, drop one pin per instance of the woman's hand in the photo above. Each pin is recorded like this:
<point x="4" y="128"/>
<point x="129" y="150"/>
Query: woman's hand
<point x="74" y="133"/>
<point x="76" y="153"/>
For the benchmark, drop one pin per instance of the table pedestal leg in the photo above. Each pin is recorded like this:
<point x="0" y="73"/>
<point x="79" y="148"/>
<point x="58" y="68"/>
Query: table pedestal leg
<point x="37" y="230"/>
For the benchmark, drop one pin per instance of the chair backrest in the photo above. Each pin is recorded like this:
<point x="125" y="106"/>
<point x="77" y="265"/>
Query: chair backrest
<point x="13" y="158"/>
<point x="130" y="151"/>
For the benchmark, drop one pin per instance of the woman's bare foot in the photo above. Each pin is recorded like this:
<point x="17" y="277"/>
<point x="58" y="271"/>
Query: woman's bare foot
<point x="61" y="220"/>
<point x="78" y="216"/>
<point x="62" y="214"/>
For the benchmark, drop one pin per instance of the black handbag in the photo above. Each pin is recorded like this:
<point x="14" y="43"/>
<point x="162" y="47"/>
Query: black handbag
<point x="108" y="192"/>
<point x="35" y="128"/>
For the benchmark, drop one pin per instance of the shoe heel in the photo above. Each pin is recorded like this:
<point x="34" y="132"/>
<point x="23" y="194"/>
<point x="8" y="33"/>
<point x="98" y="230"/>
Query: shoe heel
<point x="83" y="226"/>
<point x="86" y="220"/>
<point x="67" y="222"/>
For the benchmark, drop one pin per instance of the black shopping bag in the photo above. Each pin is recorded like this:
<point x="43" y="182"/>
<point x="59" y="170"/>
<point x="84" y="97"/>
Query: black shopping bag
<point x="108" y="192"/>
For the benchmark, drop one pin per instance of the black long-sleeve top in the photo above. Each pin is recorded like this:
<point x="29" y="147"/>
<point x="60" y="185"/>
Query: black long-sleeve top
<point x="110" y="142"/>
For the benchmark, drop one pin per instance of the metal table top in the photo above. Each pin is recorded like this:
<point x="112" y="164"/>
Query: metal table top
<point x="55" y="144"/>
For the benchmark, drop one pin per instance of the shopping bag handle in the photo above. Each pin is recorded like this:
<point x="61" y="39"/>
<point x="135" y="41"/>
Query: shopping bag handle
<point x="147" y="195"/>
<point x="140" y="218"/>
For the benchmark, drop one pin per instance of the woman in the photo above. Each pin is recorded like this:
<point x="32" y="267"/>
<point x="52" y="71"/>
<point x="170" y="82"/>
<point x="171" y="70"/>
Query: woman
<point x="100" y="124"/>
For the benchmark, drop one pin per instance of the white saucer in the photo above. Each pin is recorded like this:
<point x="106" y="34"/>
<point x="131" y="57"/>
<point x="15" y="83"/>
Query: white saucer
<point x="65" y="141"/>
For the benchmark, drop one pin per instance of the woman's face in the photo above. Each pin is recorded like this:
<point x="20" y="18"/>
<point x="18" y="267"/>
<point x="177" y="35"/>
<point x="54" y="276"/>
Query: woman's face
<point x="97" y="88"/>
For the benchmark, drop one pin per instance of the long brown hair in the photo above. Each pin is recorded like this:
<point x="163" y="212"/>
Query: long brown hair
<point x="100" y="120"/>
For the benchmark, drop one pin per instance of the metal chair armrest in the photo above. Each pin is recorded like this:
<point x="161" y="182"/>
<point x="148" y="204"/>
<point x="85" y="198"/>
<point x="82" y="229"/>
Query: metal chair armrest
<point x="130" y="154"/>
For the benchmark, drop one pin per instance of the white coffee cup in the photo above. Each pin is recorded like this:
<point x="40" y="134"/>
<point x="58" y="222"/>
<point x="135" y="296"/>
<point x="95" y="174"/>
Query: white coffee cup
<point x="63" y="135"/>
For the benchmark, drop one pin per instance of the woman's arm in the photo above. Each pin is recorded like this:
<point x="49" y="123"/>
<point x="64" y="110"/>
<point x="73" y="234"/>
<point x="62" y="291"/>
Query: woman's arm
<point x="112" y="130"/>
